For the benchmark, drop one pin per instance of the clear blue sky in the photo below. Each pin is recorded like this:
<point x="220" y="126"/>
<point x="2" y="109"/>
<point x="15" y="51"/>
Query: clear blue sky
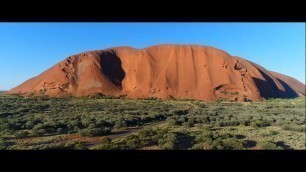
<point x="27" y="49"/>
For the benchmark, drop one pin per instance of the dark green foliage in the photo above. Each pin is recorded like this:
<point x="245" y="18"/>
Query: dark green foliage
<point x="189" y="123"/>
<point x="74" y="114"/>
<point x="21" y="134"/>
<point x="39" y="132"/>
<point x="133" y="141"/>
<point x="146" y="133"/>
<point x="158" y="136"/>
<point x="120" y="124"/>
<point x="228" y="144"/>
<point x="29" y="124"/>
<point x="93" y="132"/>
<point x="168" y="141"/>
<point x="106" y="144"/>
<point x="218" y="141"/>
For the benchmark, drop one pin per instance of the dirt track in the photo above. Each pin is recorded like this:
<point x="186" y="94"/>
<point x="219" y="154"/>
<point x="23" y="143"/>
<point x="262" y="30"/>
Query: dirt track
<point x="126" y="132"/>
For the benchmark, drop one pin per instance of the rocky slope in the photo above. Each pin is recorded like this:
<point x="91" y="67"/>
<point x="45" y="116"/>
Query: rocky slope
<point x="162" y="71"/>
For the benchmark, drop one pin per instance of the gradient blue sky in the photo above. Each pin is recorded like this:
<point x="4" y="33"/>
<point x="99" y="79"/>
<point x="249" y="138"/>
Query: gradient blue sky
<point x="27" y="49"/>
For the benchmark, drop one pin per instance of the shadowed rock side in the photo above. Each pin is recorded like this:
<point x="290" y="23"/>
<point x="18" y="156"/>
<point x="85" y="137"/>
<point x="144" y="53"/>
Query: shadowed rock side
<point x="291" y="85"/>
<point x="163" y="71"/>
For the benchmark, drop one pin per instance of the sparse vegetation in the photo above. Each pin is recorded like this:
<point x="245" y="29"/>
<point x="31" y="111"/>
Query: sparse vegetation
<point x="48" y="123"/>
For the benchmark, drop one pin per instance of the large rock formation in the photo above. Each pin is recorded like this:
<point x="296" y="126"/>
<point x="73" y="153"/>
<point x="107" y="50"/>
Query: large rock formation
<point x="163" y="71"/>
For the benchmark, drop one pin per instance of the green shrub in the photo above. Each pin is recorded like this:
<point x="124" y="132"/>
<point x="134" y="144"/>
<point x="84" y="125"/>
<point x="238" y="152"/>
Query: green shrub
<point x="80" y="146"/>
<point x="204" y="139"/>
<point x="146" y="133"/>
<point x="39" y="132"/>
<point x="225" y="135"/>
<point x="174" y="121"/>
<point x="168" y="146"/>
<point x="120" y="124"/>
<point x="106" y="144"/>
<point x="38" y="127"/>
<point x="107" y="147"/>
<point x="106" y="140"/>
<point x="231" y="143"/>
<point x="93" y="132"/>
<point x="189" y="123"/>
<point x="202" y="146"/>
<point x="133" y="141"/>
<point x="268" y="145"/>
<point x="217" y="144"/>
<point x="21" y="134"/>
<point x="69" y="145"/>
<point x="29" y="124"/>
<point x="168" y="141"/>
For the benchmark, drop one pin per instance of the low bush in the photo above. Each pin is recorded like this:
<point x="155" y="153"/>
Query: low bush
<point x="146" y="133"/>
<point x="120" y="124"/>
<point x="39" y="132"/>
<point x="133" y="141"/>
<point x="21" y="134"/>
<point x="173" y="121"/>
<point x="269" y="145"/>
<point x="204" y="139"/>
<point x="80" y="146"/>
<point x="202" y="146"/>
<point x="93" y="132"/>
<point x="168" y="141"/>
<point x="168" y="146"/>
<point x="230" y="143"/>
<point x="189" y="123"/>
